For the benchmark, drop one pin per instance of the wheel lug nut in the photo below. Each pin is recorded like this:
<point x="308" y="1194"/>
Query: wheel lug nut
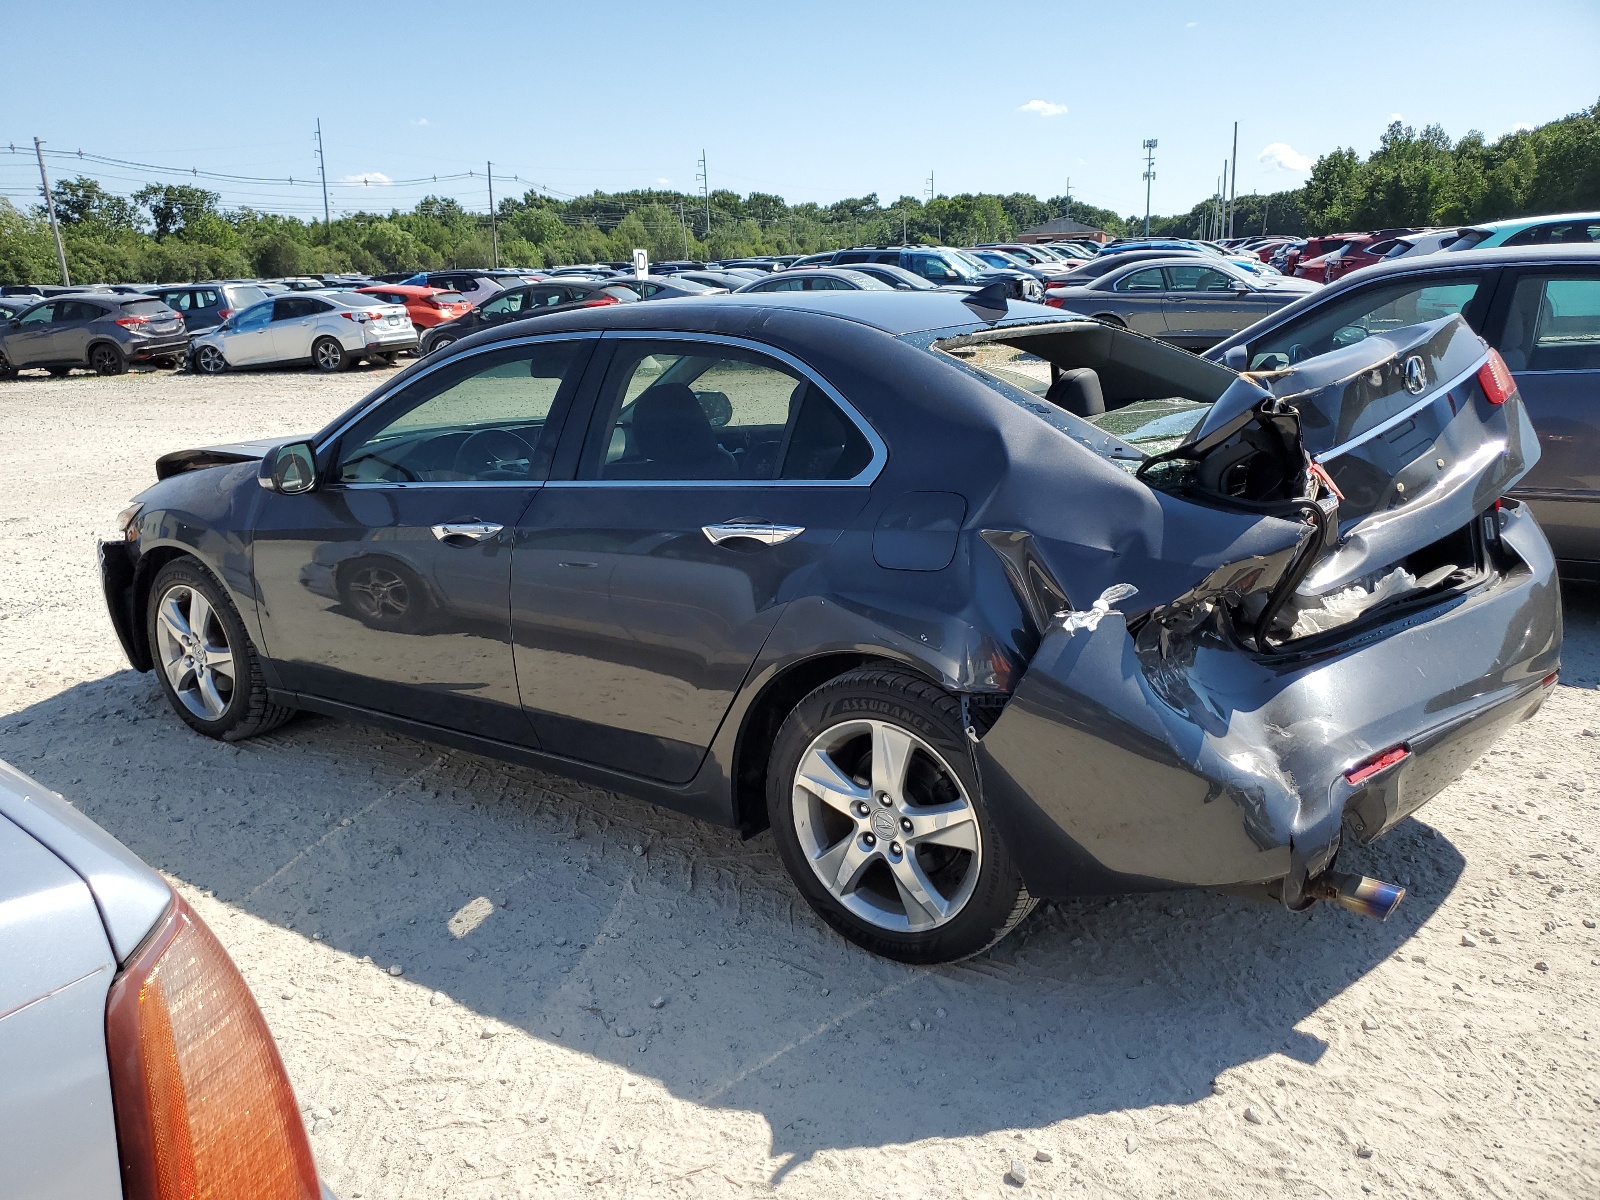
<point x="894" y="849"/>
<point x="861" y="808"/>
<point x="869" y="839"/>
<point x="905" y="824"/>
<point x="883" y="799"/>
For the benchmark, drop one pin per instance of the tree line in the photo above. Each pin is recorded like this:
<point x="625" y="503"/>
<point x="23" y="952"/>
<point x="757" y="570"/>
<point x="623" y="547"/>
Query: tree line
<point x="166" y="232"/>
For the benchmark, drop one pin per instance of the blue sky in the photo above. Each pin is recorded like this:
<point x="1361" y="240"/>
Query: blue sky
<point x="813" y="101"/>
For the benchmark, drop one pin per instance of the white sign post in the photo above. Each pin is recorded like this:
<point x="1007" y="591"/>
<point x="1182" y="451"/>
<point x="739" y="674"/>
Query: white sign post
<point x="641" y="263"/>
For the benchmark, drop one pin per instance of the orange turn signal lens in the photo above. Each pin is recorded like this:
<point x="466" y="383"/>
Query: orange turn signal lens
<point x="204" y="1109"/>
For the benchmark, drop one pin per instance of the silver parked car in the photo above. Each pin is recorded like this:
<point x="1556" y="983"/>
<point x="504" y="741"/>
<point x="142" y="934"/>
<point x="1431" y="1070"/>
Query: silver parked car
<point x="100" y="331"/>
<point x="329" y="330"/>
<point x="132" y="1055"/>
<point x="1190" y="302"/>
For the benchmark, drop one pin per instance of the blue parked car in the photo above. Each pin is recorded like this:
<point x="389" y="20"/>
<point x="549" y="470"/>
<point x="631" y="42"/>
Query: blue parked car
<point x="1559" y="229"/>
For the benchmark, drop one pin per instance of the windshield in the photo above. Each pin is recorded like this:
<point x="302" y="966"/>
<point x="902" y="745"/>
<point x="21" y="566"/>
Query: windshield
<point x="965" y="265"/>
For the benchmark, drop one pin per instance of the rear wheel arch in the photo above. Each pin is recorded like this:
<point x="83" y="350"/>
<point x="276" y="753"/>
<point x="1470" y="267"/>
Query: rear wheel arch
<point x="116" y="359"/>
<point x="767" y="712"/>
<point x="1110" y="319"/>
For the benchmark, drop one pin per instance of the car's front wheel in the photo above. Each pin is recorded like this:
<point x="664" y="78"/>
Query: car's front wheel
<point x="438" y="343"/>
<point x="208" y="360"/>
<point x="878" y="816"/>
<point x="327" y="355"/>
<point x="204" y="658"/>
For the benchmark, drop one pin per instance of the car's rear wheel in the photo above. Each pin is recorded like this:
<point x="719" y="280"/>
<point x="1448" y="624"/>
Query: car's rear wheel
<point x="210" y="361"/>
<point x="328" y="355"/>
<point x="7" y="371"/>
<point x="389" y="359"/>
<point x="878" y="816"/>
<point x="106" y="359"/>
<point x="439" y="344"/>
<point x="203" y="656"/>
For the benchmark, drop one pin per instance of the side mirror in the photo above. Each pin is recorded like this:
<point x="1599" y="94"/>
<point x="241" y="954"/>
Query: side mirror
<point x="1236" y="357"/>
<point x="289" y="469"/>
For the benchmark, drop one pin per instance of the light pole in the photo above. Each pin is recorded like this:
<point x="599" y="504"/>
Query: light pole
<point x="50" y="206"/>
<point x="1149" y="175"/>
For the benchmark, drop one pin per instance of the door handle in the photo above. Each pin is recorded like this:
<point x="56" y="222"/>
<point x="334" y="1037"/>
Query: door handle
<point x="472" y="531"/>
<point x="764" y="532"/>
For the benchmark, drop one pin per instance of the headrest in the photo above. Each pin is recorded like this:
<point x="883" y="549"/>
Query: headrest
<point x="1078" y="392"/>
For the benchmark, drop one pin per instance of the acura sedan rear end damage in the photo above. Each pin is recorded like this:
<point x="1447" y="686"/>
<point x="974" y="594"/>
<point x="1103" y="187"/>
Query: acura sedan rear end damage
<point x="1216" y="736"/>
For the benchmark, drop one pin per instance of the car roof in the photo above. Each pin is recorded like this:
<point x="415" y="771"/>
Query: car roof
<point x="1518" y="223"/>
<point x="405" y="289"/>
<point x="748" y="313"/>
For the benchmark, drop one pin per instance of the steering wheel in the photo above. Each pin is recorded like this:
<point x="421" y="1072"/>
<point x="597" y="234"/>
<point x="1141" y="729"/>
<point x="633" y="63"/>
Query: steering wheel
<point x="486" y="453"/>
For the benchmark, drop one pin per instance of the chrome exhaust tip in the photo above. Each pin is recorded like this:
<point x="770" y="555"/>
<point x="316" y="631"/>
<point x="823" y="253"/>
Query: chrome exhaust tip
<point x="1360" y="894"/>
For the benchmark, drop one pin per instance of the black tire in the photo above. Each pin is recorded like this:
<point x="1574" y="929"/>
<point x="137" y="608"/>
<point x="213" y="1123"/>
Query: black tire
<point x="328" y="356"/>
<point x="247" y="711"/>
<point x="388" y="359"/>
<point x="209" y="360"/>
<point x="438" y="344"/>
<point x="995" y="899"/>
<point x="60" y="372"/>
<point x="7" y="371"/>
<point x="107" y="359"/>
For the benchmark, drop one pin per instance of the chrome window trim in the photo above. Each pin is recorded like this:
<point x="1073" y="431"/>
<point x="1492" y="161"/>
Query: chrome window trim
<point x="1404" y="414"/>
<point x="864" y="478"/>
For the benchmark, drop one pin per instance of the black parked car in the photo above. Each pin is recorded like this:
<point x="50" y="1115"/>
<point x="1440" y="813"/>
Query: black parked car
<point x="972" y="605"/>
<point x="1538" y="305"/>
<point x="519" y="303"/>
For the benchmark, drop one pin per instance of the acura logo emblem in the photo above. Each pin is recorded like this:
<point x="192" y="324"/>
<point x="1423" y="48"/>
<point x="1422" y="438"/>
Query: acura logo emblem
<point x="1416" y="375"/>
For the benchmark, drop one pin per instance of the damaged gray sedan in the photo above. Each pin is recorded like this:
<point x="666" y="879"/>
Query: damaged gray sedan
<point x="971" y="603"/>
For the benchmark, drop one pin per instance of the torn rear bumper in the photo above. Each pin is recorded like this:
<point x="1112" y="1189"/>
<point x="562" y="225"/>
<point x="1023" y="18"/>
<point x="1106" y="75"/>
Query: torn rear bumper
<point x="1102" y="782"/>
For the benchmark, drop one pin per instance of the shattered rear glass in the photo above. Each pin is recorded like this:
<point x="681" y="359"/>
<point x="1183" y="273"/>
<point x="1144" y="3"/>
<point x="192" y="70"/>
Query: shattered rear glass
<point x="1154" y="426"/>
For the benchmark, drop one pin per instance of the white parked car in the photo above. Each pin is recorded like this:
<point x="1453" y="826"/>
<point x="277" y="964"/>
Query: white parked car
<point x="329" y="330"/>
<point x="133" y="1059"/>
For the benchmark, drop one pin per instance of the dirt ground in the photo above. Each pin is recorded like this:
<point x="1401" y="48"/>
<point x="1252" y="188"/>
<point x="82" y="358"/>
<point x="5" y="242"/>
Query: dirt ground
<point x="599" y="998"/>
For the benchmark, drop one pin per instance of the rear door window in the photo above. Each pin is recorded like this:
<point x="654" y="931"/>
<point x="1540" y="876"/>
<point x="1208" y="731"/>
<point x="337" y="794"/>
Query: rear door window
<point x="1557" y="233"/>
<point x="683" y="411"/>
<point x="1147" y="280"/>
<point x="1197" y="279"/>
<point x="1358" y="315"/>
<point x="1554" y="324"/>
<point x="73" y="311"/>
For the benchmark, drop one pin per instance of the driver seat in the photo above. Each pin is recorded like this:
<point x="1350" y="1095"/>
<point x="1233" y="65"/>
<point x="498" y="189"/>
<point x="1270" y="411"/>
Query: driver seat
<point x="1078" y="392"/>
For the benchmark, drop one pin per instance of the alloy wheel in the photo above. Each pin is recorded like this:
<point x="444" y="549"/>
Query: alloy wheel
<point x="329" y="355"/>
<point x="887" y="826"/>
<point x="103" y="360"/>
<point x="210" y="360"/>
<point x="379" y="594"/>
<point x="194" y="652"/>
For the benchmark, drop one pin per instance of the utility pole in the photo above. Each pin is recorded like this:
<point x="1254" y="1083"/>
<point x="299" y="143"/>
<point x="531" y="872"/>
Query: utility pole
<point x="685" y="225"/>
<point x="1149" y="175"/>
<point x="1068" y="213"/>
<point x="1233" y="188"/>
<point x="494" y="235"/>
<point x="705" y="193"/>
<point x="322" y="165"/>
<point x="50" y="203"/>
<point x="930" y="187"/>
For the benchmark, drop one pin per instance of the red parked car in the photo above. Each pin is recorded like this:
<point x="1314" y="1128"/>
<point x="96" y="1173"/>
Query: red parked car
<point x="427" y="306"/>
<point x="1352" y="254"/>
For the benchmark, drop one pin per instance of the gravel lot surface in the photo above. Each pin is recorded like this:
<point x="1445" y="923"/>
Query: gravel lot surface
<point x="488" y="981"/>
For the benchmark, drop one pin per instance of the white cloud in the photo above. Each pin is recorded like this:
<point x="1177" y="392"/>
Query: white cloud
<point x="663" y="180"/>
<point x="375" y="178"/>
<point x="1285" y="157"/>
<point x="1191" y="24"/>
<point x="1044" y="108"/>
<point x="422" y="121"/>
<point x="1522" y="127"/>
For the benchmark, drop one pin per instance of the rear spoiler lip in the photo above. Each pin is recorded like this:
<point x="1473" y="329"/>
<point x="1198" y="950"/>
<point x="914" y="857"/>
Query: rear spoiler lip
<point x="1426" y="398"/>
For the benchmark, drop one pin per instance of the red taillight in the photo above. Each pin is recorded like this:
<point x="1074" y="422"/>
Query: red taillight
<point x="431" y="303"/>
<point x="358" y="315"/>
<point x="1054" y="301"/>
<point x="225" y="313"/>
<point x="1364" y="771"/>
<point x="1495" y="378"/>
<point x="596" y="301"/>
<point x="1551" y="679"/>
<point x="133" y="322"/>
<point x="203" y="1106"/>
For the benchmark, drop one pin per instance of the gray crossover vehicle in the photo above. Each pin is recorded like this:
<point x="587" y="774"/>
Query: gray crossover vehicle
<point x="1188" y="302"/>
<point x="133" y="1058"/>
<point x="100" y="331"/>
